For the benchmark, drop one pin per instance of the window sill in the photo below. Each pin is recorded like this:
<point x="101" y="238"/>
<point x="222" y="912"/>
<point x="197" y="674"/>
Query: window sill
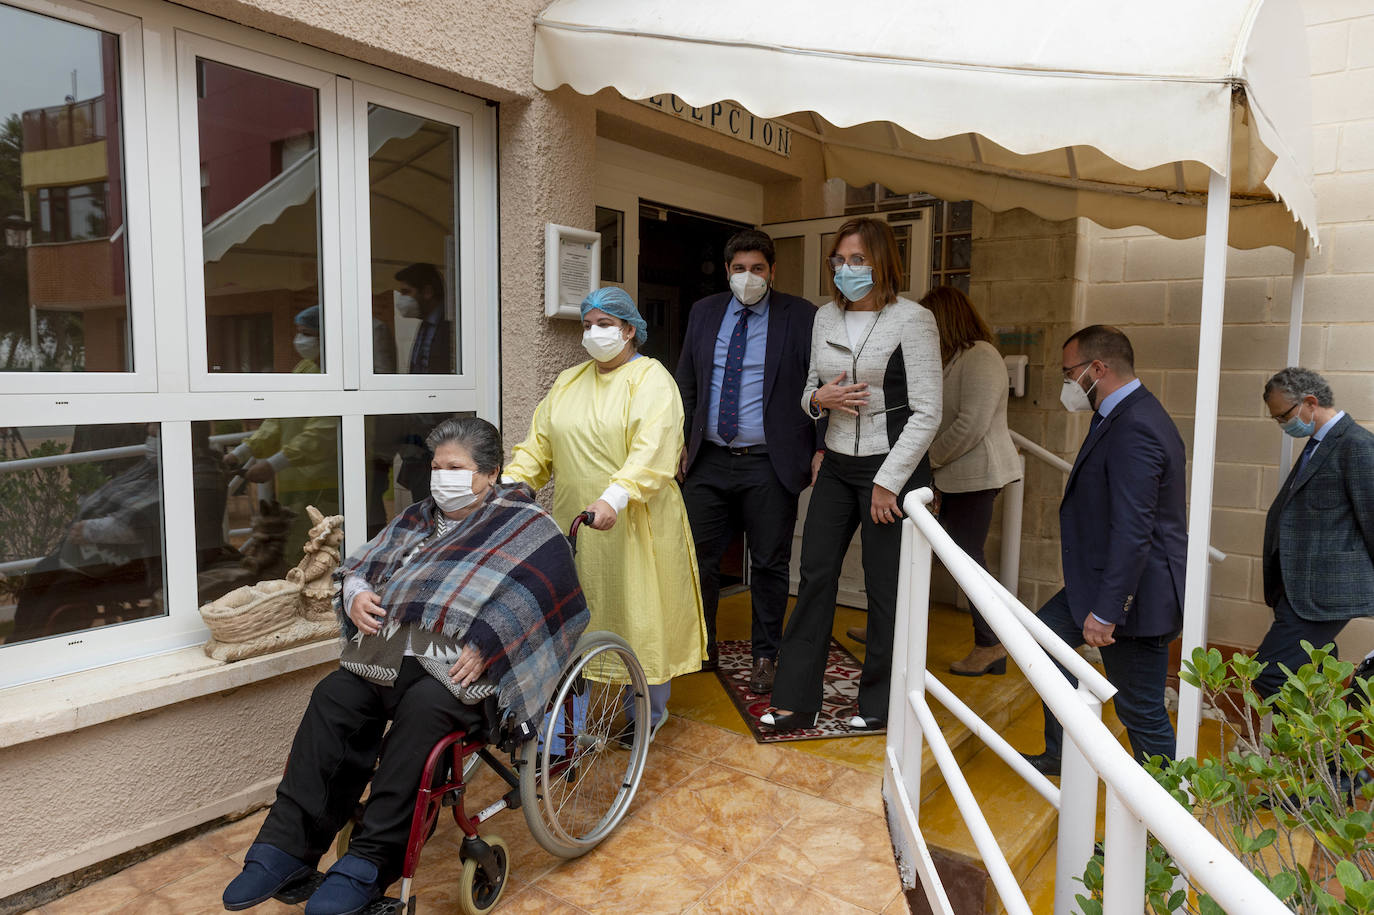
<point x="60" y="705"/>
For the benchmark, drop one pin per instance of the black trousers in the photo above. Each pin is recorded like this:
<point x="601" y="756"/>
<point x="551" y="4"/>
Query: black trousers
<point x="1283" y="644"/>
<point x="839" y="505"/>
<point x="966" y="517"/>
<point x="728" y="493"/>
<point x="1136" y="666"/>
<point x="334" y="755"/>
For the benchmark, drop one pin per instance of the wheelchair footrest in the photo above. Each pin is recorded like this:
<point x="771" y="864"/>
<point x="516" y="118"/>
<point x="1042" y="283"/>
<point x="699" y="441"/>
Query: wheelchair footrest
<point x="301" y="890"/>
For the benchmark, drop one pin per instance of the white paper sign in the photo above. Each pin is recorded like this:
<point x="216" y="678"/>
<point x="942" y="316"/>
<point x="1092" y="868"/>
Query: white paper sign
<point x="572" y="269"/>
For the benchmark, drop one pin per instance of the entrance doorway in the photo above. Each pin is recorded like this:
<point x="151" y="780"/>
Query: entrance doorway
<point x="681" y="261"/>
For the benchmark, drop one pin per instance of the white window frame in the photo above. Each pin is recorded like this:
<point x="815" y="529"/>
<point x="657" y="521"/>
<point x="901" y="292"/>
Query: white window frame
<point x="138" y="243"/>
<point x="189" y="48"/>
<point x="157" y="38"/>
<point x="465" y="294"/>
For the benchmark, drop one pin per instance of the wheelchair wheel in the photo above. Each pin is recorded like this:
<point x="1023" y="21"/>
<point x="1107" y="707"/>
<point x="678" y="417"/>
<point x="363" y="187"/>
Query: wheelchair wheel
<point x="581" y="773"/>
<point x="477" y="892"/>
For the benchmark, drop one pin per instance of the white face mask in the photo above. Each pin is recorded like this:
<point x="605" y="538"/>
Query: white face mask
<point x="307" y="346"/>
<point x="407" y="305"/>
<point x="748" y="287"/>
<point x="451" y="489"/>
<point x="1074" y="398"/>
<point x="603" y="343"/>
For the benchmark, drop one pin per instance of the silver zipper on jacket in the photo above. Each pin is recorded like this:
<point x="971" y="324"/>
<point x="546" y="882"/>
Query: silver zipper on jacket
<point x="854" y="355"/>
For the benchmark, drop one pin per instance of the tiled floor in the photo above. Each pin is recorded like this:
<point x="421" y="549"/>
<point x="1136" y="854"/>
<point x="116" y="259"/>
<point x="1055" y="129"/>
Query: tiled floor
<point x="720" y="824"/>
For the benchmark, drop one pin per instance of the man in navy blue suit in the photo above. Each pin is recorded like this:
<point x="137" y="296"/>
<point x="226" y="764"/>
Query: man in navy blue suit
<point x="750" y="448"/>
<point x="1123" y="538"/>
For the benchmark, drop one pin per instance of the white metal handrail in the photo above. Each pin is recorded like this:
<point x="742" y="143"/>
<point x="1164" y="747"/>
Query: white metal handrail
<point x="1044" y="455"/>
<point x="1135" y="805"/>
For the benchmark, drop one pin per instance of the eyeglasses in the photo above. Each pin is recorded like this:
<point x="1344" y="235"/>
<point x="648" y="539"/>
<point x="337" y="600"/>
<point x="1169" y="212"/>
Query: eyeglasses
<point x="855" y="260"/>
<point x="1068" y="369"/>
<point x="1283" y="417"/>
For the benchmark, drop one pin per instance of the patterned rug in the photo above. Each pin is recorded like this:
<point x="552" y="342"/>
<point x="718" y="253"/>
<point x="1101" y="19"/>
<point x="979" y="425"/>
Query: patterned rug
<point x="840" y="693"/>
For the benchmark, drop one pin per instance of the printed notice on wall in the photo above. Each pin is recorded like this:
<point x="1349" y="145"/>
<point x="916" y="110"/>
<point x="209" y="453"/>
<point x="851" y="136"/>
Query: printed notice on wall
<point x="574" y="271"/>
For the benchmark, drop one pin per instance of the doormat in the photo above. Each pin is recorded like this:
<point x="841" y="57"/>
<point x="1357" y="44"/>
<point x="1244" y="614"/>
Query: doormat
<point x="839" y="695"/>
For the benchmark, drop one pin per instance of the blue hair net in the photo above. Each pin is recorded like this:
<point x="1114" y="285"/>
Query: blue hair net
<point x="310" y="317"/>
<point x="617" y="303"/>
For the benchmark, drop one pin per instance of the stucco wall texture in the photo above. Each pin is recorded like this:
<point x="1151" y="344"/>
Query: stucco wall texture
<point x="115" y="786"/>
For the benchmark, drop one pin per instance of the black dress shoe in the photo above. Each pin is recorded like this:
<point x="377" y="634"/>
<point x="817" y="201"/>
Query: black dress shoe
<point x="793" y="722"/>
<point x="860" y="723"/>
<point x="1365" y="669"/>
<point x="1043" y="763"/>
<point x="761" y="680"/>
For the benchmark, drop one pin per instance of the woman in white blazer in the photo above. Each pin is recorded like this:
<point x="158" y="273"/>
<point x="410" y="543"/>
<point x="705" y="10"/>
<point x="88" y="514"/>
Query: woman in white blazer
<point x="972" y="454"/>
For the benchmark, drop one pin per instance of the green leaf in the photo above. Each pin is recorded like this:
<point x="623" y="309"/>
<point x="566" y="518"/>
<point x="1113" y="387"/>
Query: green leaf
<point x="1206" y="905"/>
<point x="1283" y="885"/>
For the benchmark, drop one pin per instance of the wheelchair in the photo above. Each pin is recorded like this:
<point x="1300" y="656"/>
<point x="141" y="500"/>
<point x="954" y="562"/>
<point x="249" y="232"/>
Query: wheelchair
<point x="574" y="779"/>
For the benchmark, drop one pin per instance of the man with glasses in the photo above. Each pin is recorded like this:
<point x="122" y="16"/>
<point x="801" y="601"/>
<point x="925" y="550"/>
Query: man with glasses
<point x="749" y="449"/>
<point x="1123" y="539"/>
<point x="1319" y="535"/>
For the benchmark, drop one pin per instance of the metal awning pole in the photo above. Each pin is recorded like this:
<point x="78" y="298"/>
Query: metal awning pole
<point x="1204" y="446"/>
<point x="1294" y="335"/>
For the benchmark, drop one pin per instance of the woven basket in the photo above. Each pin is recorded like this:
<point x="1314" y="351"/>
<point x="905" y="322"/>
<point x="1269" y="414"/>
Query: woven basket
<point x="252" y="611"/>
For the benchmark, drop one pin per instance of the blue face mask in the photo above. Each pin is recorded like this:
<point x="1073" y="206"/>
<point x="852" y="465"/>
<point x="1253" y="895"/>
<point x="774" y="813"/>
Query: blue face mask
<point x="854" y="282"/>
<point x="1299" y="429"/>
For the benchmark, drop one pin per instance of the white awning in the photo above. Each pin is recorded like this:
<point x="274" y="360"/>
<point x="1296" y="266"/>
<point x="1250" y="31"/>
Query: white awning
<point x="1110" y="110"/>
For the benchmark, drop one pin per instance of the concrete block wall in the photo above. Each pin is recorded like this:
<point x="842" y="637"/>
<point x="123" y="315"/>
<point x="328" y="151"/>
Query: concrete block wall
<point x="1151" y="287"/>
<point x="1029" y="283"/>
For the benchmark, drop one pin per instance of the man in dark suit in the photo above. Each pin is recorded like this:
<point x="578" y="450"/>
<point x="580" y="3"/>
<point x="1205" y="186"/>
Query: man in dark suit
<point x="750" y="448"/>
<point x="1123" y="539"/>
<point x="1319" y="535"/>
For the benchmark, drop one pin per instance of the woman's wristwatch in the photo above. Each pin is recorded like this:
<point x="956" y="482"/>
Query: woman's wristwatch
<point x="815" y="408"/>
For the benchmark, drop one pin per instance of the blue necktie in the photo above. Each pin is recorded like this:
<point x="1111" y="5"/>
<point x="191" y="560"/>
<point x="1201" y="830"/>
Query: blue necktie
<point x="1307" y="450"/>
<point x="727" y="424"/>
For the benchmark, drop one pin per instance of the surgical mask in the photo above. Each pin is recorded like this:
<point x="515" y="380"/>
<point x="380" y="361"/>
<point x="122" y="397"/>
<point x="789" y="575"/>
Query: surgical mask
<point x="407" y="305"/>
<point x="748" y="287"/>
<point x="307" y="346"/>
<point x="1299" y="429"/>
<point x="854" y="282"/>
<point x="603" y="343"/>
<point x="451" y="489"/>
<point x="1074" y="398"/>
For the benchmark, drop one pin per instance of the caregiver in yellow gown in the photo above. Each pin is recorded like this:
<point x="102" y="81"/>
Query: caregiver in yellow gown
<point x="609" y="432"/>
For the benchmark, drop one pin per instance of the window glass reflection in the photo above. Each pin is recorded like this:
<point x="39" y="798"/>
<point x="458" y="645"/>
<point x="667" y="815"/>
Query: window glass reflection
<point x="278" y="467"/>
<point x="260" y="179"/>
<point x="397" y="463"/>
<point x="81" y="531"/>
<point x="413" y="196"/>
<point x="63" y="278"/>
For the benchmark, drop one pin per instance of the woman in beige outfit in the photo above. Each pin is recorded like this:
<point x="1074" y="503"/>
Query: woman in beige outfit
<point x="973" y="454"/>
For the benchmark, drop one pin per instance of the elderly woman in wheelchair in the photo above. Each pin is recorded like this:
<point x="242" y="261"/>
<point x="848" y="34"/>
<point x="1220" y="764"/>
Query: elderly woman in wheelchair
<point x="466" y="595"/>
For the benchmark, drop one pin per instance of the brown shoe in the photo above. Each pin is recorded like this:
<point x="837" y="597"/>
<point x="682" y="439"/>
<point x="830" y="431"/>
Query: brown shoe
<point x="989" y="660"/>
<point x="858" y="634"/>
<point x="761" y="680"/>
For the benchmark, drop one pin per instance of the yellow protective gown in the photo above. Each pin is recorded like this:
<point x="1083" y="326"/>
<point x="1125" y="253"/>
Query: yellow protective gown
<point x="640" y="577"/>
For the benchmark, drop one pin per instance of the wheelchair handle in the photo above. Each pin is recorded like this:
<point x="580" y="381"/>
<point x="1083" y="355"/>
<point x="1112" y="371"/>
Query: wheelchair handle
<point x="583" y="518"/>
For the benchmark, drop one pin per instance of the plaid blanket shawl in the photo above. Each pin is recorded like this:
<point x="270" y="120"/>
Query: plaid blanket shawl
<point x="502" y="580"/>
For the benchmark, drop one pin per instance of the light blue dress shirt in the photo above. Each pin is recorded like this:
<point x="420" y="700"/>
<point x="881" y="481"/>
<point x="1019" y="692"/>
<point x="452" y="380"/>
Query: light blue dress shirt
<point x="751" y="374"/>
<point x="1111" y="400"/>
